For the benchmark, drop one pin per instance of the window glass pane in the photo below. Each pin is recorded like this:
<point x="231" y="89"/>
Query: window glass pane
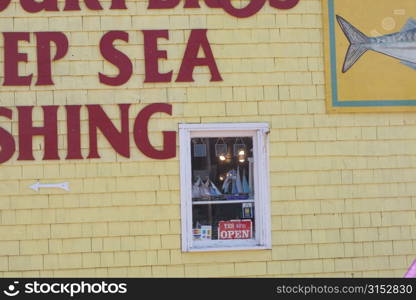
<point x="222" y="189"/>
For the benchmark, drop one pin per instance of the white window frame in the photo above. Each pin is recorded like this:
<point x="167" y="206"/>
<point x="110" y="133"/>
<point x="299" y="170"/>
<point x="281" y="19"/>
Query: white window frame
<point x="260" y="133"/>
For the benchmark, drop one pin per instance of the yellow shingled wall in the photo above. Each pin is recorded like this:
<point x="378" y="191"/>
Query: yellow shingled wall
<point x="343" y="187"/>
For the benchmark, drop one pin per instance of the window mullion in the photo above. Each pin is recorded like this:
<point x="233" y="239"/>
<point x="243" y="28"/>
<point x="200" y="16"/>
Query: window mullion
<point x="265" y="203"/>
<point x="258" y="187"/>
<point x="186" y="180"/>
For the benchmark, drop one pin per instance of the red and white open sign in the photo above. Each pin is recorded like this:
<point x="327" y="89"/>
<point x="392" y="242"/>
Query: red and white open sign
<point x="235" y="230"/>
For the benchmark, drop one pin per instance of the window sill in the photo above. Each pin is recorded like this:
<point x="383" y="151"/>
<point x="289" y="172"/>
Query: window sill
<point x="222" y="249"/>
<point x="226" y="245"/>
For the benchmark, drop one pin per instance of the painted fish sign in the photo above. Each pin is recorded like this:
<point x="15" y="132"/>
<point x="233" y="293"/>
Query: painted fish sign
<point x="400" y="45"/>
<point x="370" y="63"/>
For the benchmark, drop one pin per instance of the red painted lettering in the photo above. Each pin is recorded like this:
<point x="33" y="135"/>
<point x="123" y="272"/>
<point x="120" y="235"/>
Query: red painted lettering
<point x="73" y="129"/>
<point x="93" y="4"/>
<point x="43" y="49"/>
<point x="98" y="120"/>
<point x="283" y="4"/>
<point x="119" y="140"/>
<point x="33" y="6"/>
<point x="152" y="55"/>
<point x="4" y="4"/>
<point x="141" y="133"/>
<point x="161" y="4"/>
<point x="251" y="9"/>
<point x="7" y="145"/>
<point x="198" y="39"/>
<point x="195" y="3"/>
<point x="12" y="57"/>
<point x="116" y="57"/>
<point x="118" y="4"/>
<point x="74" y="5"/>
<point x="49" y="132"/>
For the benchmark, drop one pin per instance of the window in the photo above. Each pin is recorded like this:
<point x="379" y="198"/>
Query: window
<point x="224" y="186"/>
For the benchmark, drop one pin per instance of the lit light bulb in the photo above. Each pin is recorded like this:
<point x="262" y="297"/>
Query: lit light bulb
<point x="222" y="157"/>
<point x="241" y="152"/>
<point x="241" y="160"/>
<point x="222" y="178"/>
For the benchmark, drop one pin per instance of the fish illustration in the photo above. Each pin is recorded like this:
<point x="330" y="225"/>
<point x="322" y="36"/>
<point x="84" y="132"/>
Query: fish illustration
<point x="400" y="45"/>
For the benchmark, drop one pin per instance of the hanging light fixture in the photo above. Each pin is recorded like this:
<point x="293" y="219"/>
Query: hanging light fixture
<point x="200" y="148"/>
<point x="239" y="149"/>
<point x="242" y="156"/>
<point x="221" y="149"/>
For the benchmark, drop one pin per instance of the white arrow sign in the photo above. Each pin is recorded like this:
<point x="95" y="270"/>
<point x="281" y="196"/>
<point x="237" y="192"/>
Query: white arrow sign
<point x="38" y="185"/>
